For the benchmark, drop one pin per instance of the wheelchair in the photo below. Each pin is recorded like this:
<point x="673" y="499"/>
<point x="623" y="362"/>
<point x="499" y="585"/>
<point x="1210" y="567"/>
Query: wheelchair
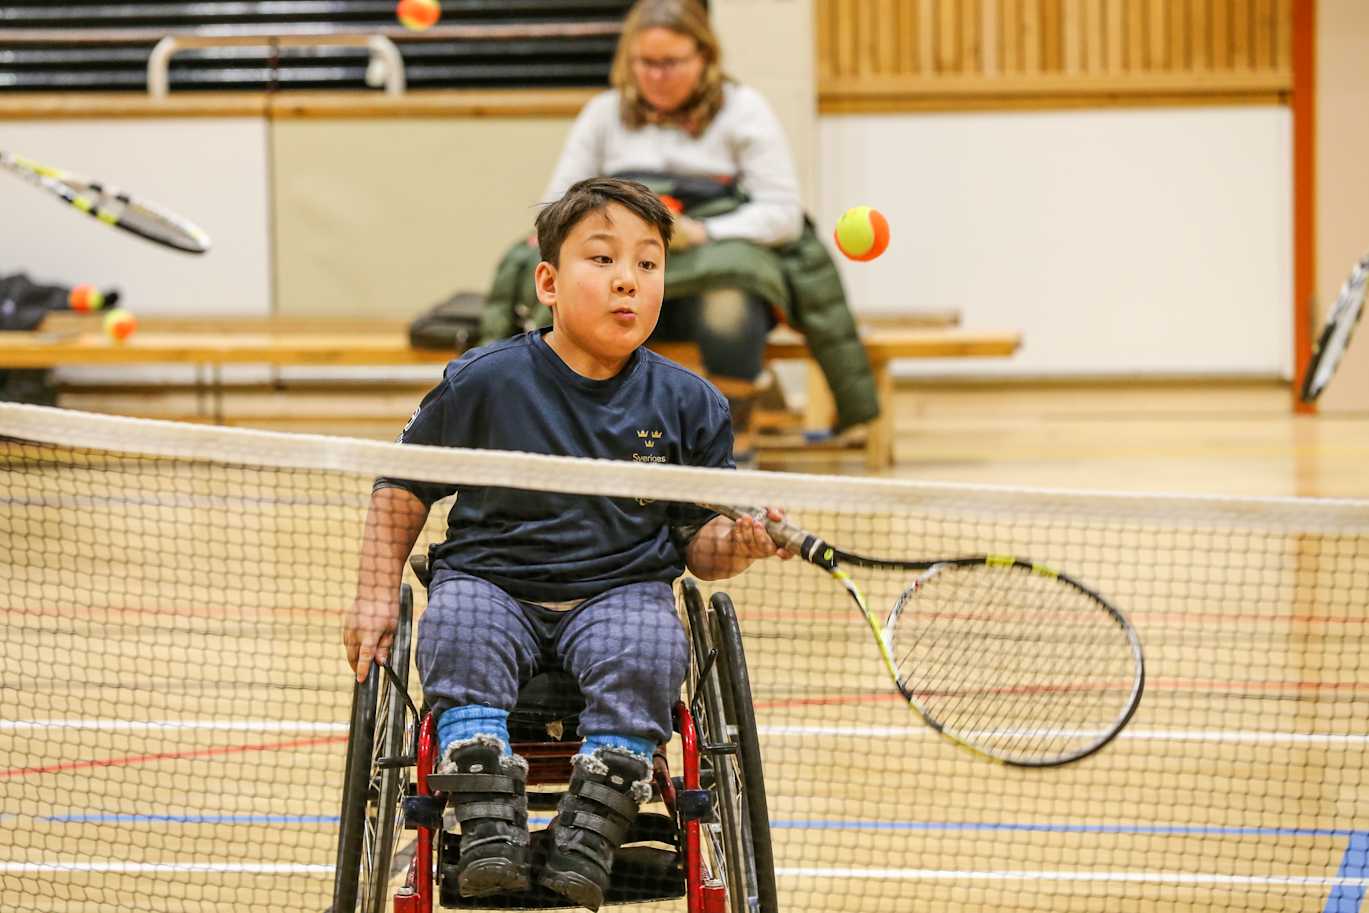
<point x="710" y="845"/>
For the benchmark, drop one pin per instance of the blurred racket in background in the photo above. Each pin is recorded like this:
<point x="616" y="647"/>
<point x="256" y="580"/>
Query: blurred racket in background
<point x="1335" y="336"/>
<point x="111" y="206"/>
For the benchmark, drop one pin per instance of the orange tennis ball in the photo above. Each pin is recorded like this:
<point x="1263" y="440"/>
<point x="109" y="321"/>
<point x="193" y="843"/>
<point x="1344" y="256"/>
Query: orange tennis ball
<point x="120" y="324"/>
<point x="85" y="298"/>
<point x="862" y="233"/>
<point x="418" y="14"/>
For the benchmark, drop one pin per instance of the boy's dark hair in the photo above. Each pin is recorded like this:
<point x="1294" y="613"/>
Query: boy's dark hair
<point x="594" y="195"/>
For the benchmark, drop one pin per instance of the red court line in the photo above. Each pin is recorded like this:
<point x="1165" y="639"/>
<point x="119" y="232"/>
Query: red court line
<point x="170" y="756"/>
<point x="1174" y="684"/>
<point x="841" y="610"/>
<point x="1152" y="685"/>
<point x="829" y="699"/>
<point x="230" y="613"/>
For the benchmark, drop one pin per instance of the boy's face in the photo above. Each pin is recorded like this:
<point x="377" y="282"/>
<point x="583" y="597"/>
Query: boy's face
<point x="606" y="293"/>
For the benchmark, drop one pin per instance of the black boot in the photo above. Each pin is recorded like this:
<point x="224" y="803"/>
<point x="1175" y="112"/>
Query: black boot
<point x="592" y="820"/>
<point x="489" y="801"/>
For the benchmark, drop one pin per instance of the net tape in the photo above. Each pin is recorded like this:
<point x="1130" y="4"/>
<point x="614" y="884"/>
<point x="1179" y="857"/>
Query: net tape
<point x="283" y="450"/>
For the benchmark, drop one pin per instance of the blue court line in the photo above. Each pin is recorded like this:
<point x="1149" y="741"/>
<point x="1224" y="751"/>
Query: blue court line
<point x="1170" y="830"/>
<point x="111" y="818"/>
<point x="1347" y="898"/>
<point x="1356" y="858"/>
<point x="105" y="818"/>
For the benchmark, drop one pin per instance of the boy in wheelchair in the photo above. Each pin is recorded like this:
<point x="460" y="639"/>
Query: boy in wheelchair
<point x="526" y="580"/>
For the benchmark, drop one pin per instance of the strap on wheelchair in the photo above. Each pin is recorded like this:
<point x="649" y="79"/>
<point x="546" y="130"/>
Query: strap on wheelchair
<point x="485" y="783"/>
<point x="470" y="811"/>
<point x="614" y="831"/>
<point x="607" y="795"/>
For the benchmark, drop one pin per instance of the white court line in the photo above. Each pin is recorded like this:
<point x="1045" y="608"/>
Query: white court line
<point x="40" y="868"/>
<point x="1151" y="735"/>
<point x="1156" y="877"/>
<point x="912" y="730"/>
<point x="250" y="868"/>
<point x="161" y="725"/>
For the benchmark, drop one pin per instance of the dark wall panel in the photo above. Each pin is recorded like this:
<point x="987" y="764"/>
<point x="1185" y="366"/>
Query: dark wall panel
<point x="68" y="60"/>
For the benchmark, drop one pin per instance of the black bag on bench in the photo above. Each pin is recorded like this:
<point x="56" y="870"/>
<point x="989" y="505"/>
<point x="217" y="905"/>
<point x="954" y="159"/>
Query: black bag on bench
<point x="453" y="325"/>
<point x="23" y="305"/>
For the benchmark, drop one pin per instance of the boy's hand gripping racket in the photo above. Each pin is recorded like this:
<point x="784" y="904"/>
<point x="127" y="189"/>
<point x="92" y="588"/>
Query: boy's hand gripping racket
<point x="1335" y="336"/>
<point x="1010" y="659"/>
<point x="111" y="206"/>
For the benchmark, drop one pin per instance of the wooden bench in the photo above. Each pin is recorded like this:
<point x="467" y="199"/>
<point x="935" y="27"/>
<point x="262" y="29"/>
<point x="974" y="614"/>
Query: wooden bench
<point x="211" y="343"/>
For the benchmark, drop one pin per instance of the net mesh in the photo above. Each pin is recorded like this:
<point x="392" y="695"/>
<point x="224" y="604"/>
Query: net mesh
<point x="176" y="697"/>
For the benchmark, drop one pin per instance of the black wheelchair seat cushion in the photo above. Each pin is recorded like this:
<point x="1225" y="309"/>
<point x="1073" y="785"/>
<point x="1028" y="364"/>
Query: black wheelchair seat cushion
<point x="548" y="698"/>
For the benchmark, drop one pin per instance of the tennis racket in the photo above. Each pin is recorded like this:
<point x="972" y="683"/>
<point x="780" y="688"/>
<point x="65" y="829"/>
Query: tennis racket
<point x="111" y="206"/>
<point x="1014" y="661"/>
<point x="1335" y="336"/>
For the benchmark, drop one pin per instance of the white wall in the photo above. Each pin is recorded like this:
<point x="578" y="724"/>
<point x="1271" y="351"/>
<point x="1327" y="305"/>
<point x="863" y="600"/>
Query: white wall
<point x="385" y="218"/>
<point x="1120" y="242"/>
<point x="759" y="38"/>
<point x="210" y="170"/>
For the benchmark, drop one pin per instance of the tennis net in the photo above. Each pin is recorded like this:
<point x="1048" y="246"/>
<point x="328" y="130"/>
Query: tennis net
<point x="176" y="696"/>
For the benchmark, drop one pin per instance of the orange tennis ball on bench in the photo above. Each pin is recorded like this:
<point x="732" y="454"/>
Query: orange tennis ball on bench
<point x="418" y="14"/>
<point x="862" y="233"/>
<point x="120" y="324"/>
<point x="85" y="298"/>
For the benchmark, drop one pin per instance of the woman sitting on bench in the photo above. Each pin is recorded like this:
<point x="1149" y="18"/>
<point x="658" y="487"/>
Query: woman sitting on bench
<point x="745" y="256"/>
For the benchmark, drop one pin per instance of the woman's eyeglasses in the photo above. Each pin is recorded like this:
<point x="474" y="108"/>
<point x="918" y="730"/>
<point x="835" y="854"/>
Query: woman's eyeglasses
<point x="666" y="66"/>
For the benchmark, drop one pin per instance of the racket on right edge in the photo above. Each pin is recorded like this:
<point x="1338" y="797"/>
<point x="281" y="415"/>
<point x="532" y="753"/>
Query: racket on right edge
<point x="1016" y="662"/>
<point x="1335" y="336"/>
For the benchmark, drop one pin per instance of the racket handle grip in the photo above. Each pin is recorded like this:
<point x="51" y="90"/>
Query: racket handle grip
<point x="786" y="535"/>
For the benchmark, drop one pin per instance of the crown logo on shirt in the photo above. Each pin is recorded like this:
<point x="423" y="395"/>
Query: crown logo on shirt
<point x="647" y="440"/>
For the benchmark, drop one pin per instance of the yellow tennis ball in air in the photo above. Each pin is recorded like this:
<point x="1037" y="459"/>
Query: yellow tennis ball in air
<point x="418" y="14"/>
<point x="120" y="324"/>
<point x="862" y="233"/>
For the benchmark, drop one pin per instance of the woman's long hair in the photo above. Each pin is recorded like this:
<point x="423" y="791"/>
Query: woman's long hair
<point x="688" y="18"/>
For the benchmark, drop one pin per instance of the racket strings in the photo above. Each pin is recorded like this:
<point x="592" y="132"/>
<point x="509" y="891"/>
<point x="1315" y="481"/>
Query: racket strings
<point x="997" y="696"/>
<point x="965" y="655"/>
<point x="1024" y="666"/>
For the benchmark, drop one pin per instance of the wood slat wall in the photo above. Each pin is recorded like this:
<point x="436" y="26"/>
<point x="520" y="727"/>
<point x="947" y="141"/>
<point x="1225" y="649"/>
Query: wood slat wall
<point x="907" y="54"/>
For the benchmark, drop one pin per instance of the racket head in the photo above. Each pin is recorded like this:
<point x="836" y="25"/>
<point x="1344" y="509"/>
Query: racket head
<point x="113" y="207"/>
<point x="1335" y="336"/>
<point x="1015" y="661"/>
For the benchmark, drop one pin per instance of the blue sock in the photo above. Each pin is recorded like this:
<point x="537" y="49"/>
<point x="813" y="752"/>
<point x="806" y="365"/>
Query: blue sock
<point x="644" y="747"/>
<point x="461" y="724"/>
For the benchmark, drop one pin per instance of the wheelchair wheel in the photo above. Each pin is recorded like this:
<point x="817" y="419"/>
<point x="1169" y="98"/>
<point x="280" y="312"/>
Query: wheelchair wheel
<point x="375" y="779"/>
<point x="738" y="840"/>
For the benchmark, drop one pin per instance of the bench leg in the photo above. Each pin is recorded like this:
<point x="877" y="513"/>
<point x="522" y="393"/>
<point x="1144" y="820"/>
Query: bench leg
<point x="819" y="409"/>
<point x="820" y="413"/>
<point x="879" y="444"/>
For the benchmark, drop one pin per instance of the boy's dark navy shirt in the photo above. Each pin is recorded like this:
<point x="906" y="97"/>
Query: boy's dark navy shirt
<point x="550" y="547"/>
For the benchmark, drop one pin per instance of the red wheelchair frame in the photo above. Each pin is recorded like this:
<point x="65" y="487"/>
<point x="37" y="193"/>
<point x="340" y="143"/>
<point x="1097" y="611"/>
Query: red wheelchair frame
<point x="721" y="859"/>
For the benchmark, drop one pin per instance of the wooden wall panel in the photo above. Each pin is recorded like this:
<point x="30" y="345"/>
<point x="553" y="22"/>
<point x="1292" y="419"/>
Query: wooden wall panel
<point x="899" y="54"/>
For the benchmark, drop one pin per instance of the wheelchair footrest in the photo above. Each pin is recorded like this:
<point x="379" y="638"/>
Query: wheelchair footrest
<point x="443" y="783"/>
<point x="640" y="873"/>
